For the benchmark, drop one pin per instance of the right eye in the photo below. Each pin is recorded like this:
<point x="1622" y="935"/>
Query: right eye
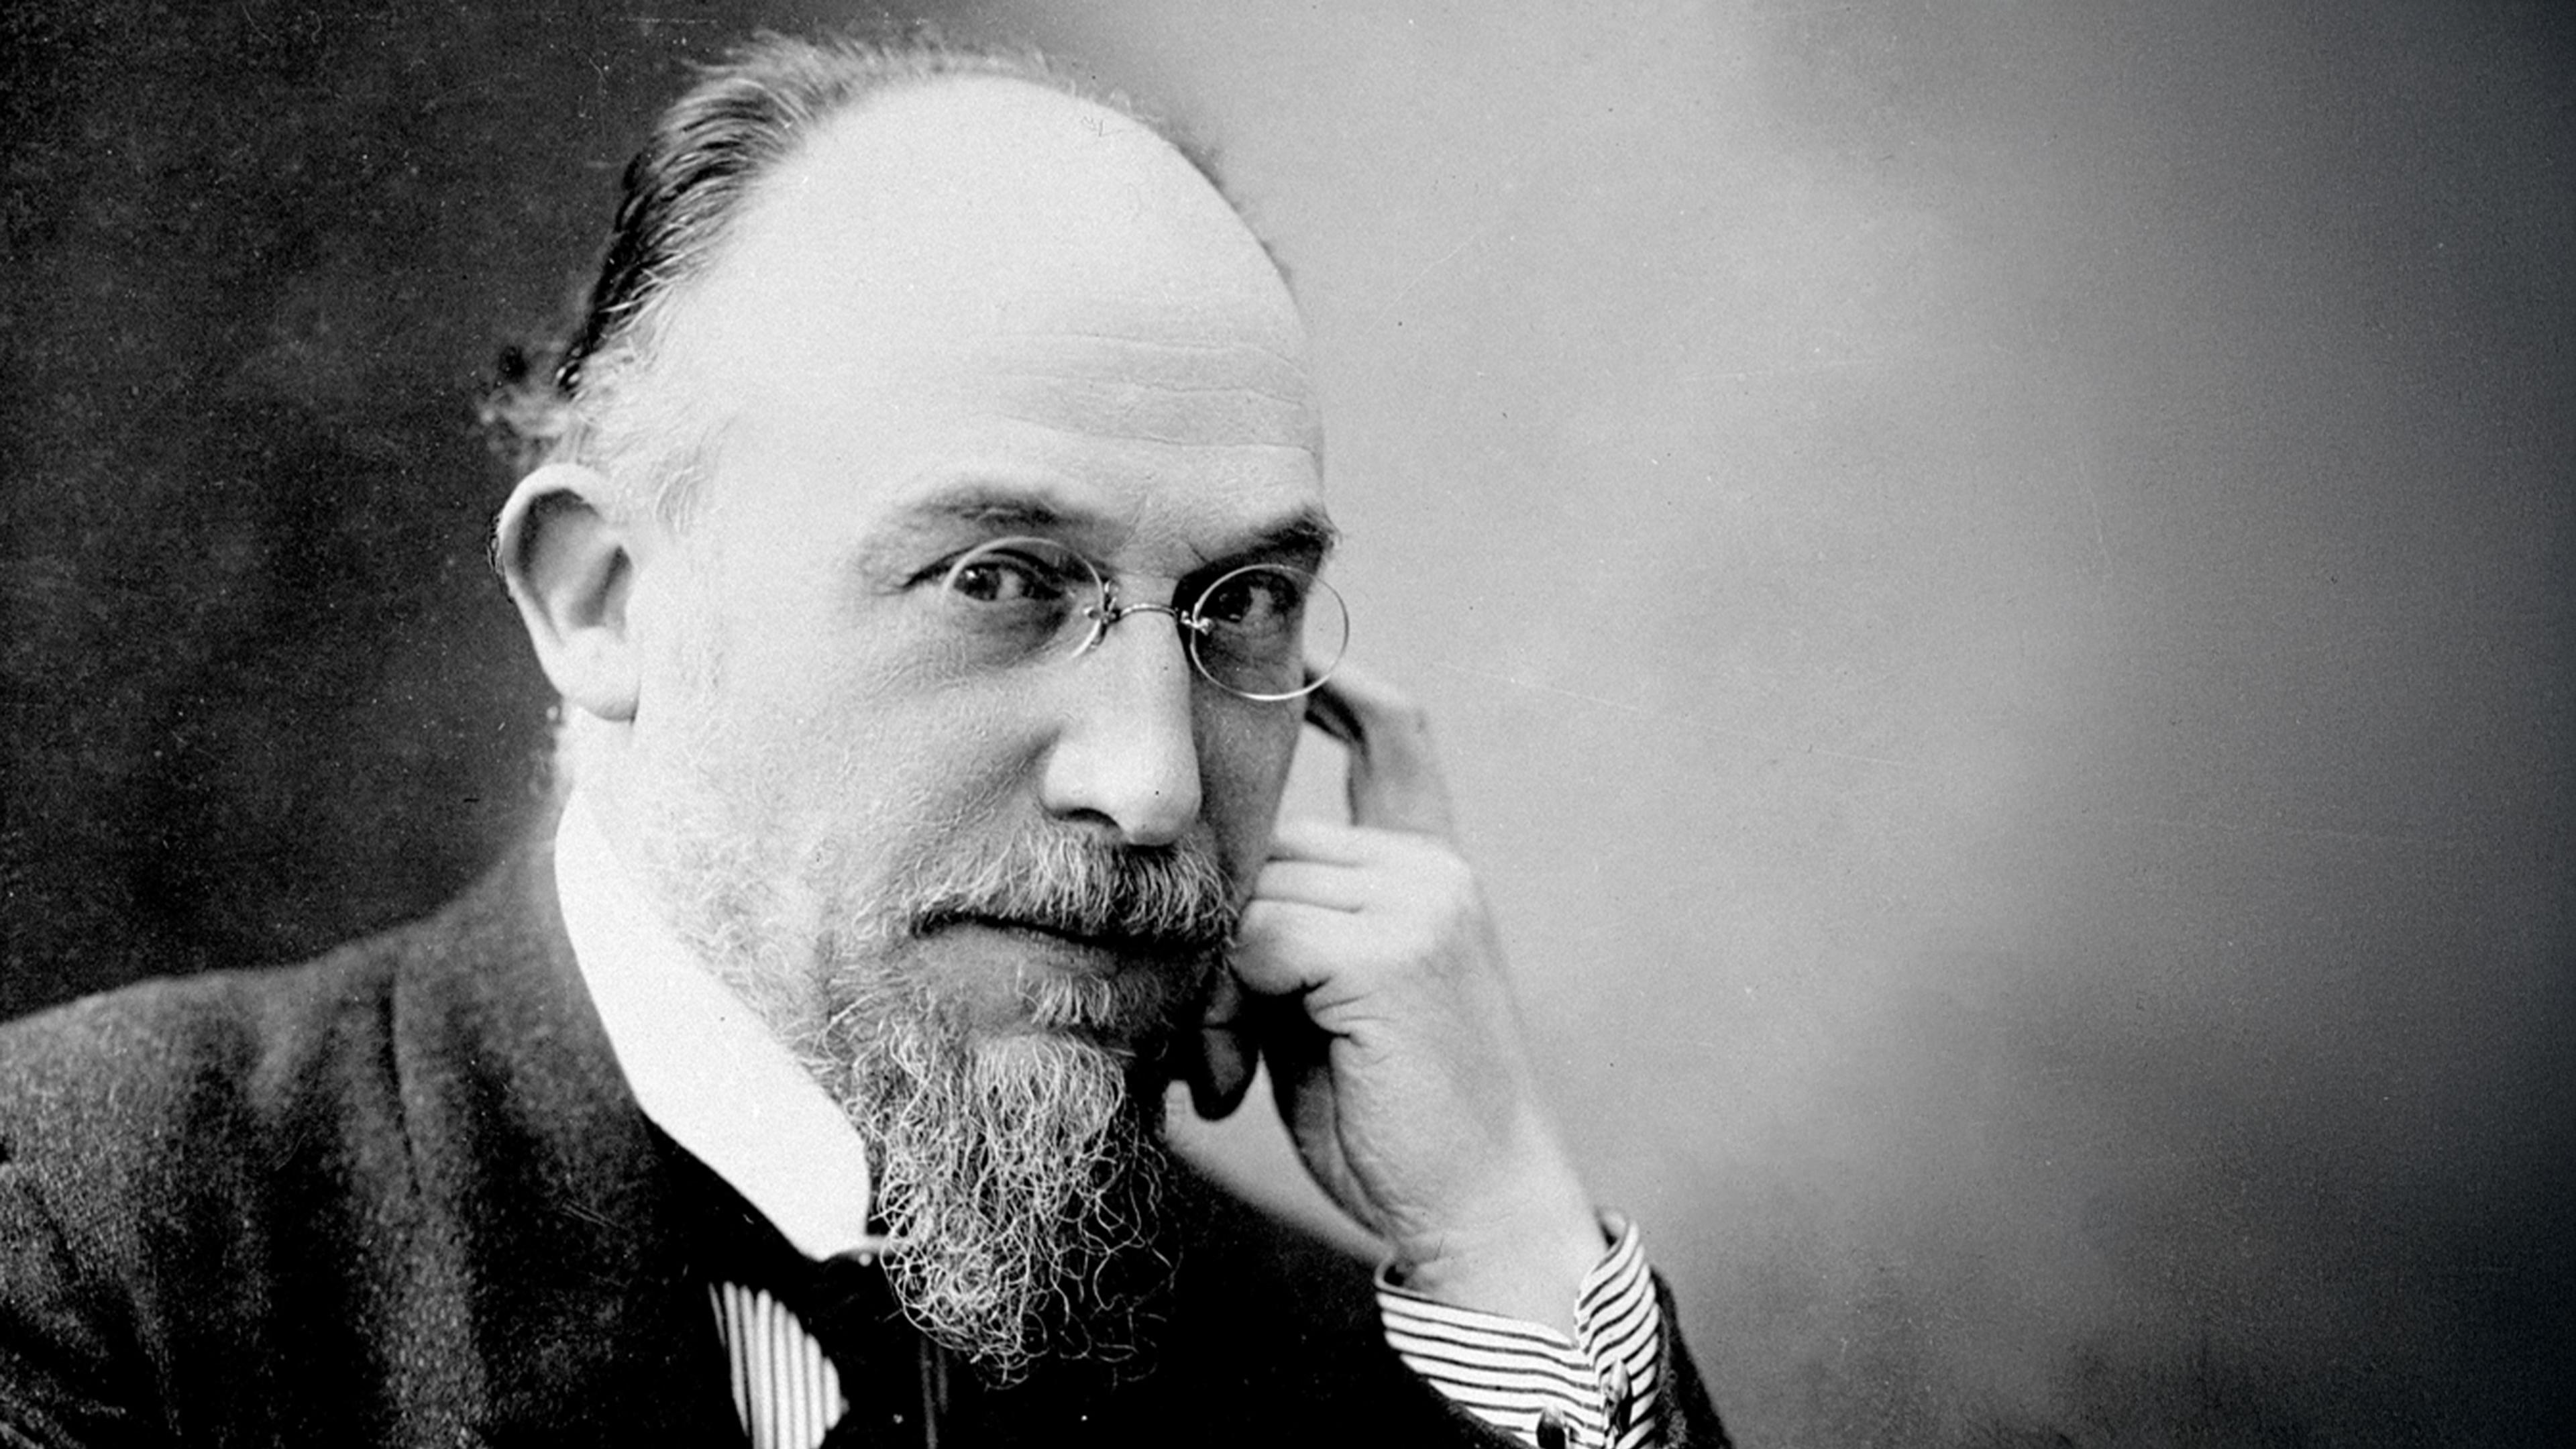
<point x="1014" y="573"/>
<point x="995" y="579"/>
<point x="1014" y="598"/>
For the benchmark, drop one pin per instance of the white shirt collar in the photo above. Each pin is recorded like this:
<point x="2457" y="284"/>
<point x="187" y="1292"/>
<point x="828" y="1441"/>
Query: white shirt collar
<point x="702" y="1066"/>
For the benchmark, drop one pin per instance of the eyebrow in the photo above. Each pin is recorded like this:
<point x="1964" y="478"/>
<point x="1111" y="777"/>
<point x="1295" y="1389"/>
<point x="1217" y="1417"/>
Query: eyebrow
<point x="1308" y="534"/>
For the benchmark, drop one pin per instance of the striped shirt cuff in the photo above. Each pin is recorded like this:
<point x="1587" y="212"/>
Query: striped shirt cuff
<point x="1597" y="1388"/>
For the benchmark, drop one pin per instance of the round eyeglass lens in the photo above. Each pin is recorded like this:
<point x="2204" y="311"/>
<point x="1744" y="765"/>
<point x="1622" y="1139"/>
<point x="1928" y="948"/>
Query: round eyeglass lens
<point x="1268" y="631"/>
<point x="1017" y="596"/>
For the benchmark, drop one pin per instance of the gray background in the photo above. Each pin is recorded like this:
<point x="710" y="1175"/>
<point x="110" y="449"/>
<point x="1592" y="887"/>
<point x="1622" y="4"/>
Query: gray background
<point x="1993" y="575"/>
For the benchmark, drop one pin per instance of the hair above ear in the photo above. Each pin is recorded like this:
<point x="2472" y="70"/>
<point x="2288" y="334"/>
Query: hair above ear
<point x="568" y="563"/>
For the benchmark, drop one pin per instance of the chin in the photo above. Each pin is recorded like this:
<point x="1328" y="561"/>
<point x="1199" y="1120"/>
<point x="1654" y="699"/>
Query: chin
<point x="1146" y="1065"/>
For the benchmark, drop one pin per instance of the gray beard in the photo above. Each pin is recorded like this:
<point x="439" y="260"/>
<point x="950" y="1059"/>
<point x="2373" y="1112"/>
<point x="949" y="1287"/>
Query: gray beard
<point x="1022" y="1178"/>
<point x="1021" y="1173"/>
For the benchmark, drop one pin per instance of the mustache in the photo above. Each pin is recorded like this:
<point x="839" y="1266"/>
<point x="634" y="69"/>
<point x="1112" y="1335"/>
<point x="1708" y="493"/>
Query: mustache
<point x="1175" y="900"/>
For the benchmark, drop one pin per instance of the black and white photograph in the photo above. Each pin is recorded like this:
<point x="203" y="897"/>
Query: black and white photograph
<point x="1643" y="723"/>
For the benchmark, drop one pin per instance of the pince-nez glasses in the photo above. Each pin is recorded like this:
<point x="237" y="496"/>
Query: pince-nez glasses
<point x="1265" y="631"/>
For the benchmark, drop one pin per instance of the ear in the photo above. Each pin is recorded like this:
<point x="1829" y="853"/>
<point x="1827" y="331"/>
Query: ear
<point x="569" y="567"/>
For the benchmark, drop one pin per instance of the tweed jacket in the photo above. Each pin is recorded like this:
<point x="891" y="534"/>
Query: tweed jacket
<point x="401" y="1196"/>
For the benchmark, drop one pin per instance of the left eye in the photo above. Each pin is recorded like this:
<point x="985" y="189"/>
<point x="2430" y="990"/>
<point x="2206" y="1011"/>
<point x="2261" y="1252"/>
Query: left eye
<point x="1253" y="600"/>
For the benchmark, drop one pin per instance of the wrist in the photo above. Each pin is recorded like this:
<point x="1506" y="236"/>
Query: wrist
<point x="1522" y="1254"/>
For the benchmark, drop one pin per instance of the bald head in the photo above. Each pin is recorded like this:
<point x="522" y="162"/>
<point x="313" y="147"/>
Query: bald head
<point x="966" y="232"/>
<point x="990" y="180"/>
<point x="785" y="121"/>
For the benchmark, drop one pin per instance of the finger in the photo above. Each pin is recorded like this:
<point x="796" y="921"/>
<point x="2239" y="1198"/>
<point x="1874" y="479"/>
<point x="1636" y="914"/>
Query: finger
<point x="1320" y="841"/>
<point x="1280" y="946"/>
<point x="1300" y="1083"/>
<point x="1333" y="887"/>
<point x="1220" y="1071"/>
<point x="1353" y="847"/>
<point x="1226" y="1002"/>
<point x="1221" y="1074"/>
<point x="1395" y="783"/>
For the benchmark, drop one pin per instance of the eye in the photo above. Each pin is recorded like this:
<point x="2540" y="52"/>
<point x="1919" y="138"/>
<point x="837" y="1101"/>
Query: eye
<point x="1268" y="631"/>
<point x="1016" y="572"/>
<point x="1256" y="601"/>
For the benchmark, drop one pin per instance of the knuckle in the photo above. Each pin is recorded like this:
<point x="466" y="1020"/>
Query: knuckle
<point x="1448" y="871"/>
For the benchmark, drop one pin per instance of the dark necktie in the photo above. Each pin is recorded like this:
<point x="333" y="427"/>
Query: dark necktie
<point x="901" y="1388"/>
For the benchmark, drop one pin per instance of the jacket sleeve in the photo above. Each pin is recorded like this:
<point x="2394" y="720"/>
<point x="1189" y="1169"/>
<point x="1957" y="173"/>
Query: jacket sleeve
<point x="1684" y="1413"/>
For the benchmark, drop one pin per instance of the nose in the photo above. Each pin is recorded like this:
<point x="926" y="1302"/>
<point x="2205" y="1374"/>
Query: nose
<point x="1127" y="751"/>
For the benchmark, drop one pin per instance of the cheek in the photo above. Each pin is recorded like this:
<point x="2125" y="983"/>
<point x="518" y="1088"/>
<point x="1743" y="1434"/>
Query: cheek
<point x="1244" y="755"/>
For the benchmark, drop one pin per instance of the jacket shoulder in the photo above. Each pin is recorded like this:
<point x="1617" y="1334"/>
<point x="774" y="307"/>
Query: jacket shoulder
<point x="170" y="1065"/>
<point x="143" y="1133"/>
<point x="159" y="1064"/>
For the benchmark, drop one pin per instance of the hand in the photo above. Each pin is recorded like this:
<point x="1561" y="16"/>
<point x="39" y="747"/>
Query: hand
<point x="1367" y="969"/>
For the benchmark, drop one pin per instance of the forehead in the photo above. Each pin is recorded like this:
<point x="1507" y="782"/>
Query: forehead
<point x="982" y="277"/>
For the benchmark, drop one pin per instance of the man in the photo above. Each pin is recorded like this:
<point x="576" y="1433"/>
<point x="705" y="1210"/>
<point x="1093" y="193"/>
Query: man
<point x="925" y="553"/>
